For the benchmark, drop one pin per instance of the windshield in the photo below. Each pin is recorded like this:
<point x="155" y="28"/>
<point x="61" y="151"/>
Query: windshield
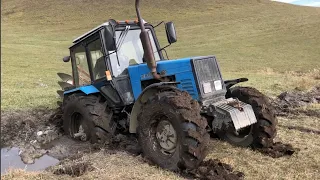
<point x="130" y="50"/>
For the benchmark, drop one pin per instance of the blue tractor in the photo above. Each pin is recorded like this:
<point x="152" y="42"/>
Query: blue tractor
<point x="122" y="83"/>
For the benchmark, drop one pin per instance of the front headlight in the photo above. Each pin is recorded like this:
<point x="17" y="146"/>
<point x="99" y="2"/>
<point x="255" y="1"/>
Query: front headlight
<point x="207" y="87"/>
<point x="218" y="85"/>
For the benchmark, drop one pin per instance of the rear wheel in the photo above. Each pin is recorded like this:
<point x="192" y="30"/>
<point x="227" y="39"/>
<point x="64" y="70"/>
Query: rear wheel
<point x="81" y="117"/>
<point x="171" y="131"/>
<point x="263" y="132"/>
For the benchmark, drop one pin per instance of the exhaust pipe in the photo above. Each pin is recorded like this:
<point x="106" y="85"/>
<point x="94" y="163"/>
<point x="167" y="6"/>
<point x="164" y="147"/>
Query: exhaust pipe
<point x="146" y="44"/>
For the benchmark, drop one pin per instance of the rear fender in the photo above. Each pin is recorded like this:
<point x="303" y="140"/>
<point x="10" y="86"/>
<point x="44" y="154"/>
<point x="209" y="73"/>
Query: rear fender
<point x="90" y="89"/>
<point x="143" y="98"/>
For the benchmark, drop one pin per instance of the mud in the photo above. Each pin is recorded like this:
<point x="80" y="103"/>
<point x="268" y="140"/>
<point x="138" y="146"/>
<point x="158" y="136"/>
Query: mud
<point x="74" y="169"/>
<point x="38" y="132"/>
<point x="278" y="150"/>
<point x="213" y="169"/>
<point x="292" y="103"/>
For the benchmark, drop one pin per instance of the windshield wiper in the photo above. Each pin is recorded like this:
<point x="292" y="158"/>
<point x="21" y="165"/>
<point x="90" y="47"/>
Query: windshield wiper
<point x="122" y="37"/>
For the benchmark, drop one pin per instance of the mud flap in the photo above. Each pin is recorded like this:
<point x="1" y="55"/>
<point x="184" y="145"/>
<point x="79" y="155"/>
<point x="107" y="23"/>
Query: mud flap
<point x="232" y="112"/>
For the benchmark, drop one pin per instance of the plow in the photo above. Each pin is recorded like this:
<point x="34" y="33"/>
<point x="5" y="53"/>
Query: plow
<point x="121" y="83"/>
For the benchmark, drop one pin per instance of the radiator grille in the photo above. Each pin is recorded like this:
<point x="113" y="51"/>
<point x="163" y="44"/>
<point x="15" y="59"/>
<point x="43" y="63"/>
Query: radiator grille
<point x="207" y="71"/>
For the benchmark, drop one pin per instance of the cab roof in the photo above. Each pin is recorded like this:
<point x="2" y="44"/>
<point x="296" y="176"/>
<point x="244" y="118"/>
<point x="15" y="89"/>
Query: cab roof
<point x="98" y="28"/>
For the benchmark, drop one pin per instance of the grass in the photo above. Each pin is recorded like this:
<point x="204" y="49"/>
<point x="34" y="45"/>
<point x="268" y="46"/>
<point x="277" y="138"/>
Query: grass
<point x="247" y="37"/>
<point x="275" y="45"/>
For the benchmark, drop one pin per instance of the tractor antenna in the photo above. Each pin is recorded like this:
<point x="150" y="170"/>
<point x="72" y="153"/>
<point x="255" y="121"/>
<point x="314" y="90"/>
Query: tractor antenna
<point x="146" y="44"/>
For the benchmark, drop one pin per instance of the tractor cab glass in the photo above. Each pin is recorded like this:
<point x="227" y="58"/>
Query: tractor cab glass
<point x="130" y="50"/>
<point x="89" y="60"/>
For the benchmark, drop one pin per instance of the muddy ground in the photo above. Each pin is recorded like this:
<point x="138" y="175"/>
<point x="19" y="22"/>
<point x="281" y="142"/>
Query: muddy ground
<point x="293" y="102"/>
<point x="39" y="131"/>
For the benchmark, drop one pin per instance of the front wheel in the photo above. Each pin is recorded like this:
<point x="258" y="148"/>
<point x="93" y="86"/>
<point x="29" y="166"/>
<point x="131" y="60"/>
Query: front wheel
<point x="260" y="134"/>
<point x="171" y="131"/>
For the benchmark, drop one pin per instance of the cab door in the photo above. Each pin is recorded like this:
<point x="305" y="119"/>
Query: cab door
<point x="88" y="61"/>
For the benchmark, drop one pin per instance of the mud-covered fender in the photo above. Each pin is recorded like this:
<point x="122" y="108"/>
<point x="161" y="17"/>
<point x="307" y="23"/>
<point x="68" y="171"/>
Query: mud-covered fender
<point x="143" y="98"/>
<point x="232" y="82"/>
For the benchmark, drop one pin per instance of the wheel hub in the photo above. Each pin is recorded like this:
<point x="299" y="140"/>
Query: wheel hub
<point x="166" y="136"/>
<point x="239" y="135"/>
<point x="78" y="129"/>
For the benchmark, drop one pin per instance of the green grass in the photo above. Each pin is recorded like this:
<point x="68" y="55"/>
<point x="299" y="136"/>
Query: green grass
<point x="248" y="37"/>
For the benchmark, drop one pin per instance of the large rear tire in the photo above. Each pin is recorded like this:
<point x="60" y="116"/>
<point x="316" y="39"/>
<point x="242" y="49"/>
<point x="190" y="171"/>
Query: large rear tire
<point x="264" y="131"/>
<point x="172" y="132"/>
<point x="82" y="117"/>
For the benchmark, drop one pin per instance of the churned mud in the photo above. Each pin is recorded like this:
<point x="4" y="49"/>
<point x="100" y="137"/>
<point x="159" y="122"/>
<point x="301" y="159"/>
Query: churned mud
<point x="38" y="132"/>
<point x="292" y="102"/>
<point x="278" y="150"/>
<point x="213" y="169"/>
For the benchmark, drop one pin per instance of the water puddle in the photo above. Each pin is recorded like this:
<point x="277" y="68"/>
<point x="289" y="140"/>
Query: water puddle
<point x="10" y="159"/>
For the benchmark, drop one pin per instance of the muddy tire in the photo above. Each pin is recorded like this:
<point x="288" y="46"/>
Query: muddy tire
<point x="176" y="115"/>
<point x="80" y="116"/>
<point x="263" y="132"/>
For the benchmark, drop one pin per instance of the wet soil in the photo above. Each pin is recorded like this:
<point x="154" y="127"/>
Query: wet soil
<point x="213" y="169"/>
<point x="278" y="150"/>
<point x="74" y="169"/>
<point x="38" y="132"/>
<point x="291" y="102"/>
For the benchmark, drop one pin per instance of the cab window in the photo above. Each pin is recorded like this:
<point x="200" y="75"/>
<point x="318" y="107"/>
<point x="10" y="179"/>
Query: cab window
<point x="130" y="50"/>
<point x="97" y="57"/>
<point x="82" y="65"/>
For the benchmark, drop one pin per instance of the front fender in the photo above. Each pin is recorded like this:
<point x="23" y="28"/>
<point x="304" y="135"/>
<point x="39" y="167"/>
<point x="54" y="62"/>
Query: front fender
<point x="143" y="98"/>
<point x="230" y="83"/>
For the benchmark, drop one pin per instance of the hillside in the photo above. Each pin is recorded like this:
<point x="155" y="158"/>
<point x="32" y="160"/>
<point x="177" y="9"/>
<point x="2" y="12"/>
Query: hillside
<point x="275" y="45"/>
<point x="248" y="38"/>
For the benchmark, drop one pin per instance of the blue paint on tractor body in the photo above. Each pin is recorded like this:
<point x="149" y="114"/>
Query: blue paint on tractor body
<point x="90" y="89"/>
<point x="181" y="69"/>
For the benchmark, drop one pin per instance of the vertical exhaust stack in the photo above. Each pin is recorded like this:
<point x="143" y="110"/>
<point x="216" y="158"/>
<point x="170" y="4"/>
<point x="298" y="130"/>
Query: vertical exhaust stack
<point x="146" y="44"/>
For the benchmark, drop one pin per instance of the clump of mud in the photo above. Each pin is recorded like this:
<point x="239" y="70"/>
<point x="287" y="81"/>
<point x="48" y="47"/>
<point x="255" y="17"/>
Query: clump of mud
<point x="213" y="169"/>
<point x="74" y="169"/>
<point x="292" y="102"/>
<point x="278" y="150"/>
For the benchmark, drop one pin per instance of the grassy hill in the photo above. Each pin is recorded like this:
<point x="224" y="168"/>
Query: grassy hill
<point x="258" y="39"/>
<point x="275" y="45"/>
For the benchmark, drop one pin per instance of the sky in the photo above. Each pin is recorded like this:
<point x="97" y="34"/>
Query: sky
<point x="313" y="3"/>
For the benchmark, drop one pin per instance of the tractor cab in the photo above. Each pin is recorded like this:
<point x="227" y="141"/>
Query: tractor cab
<point x="96" y="56"/>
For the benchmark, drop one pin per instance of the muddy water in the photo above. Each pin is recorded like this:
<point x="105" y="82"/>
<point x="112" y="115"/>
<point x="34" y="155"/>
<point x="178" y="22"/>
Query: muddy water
<point x="10" y="159"/>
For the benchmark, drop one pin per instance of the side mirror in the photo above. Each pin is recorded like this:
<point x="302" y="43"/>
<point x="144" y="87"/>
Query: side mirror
<point x="66" y="59"/>
<point x="171" y="32"/>
<point x="109" y="39"/>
